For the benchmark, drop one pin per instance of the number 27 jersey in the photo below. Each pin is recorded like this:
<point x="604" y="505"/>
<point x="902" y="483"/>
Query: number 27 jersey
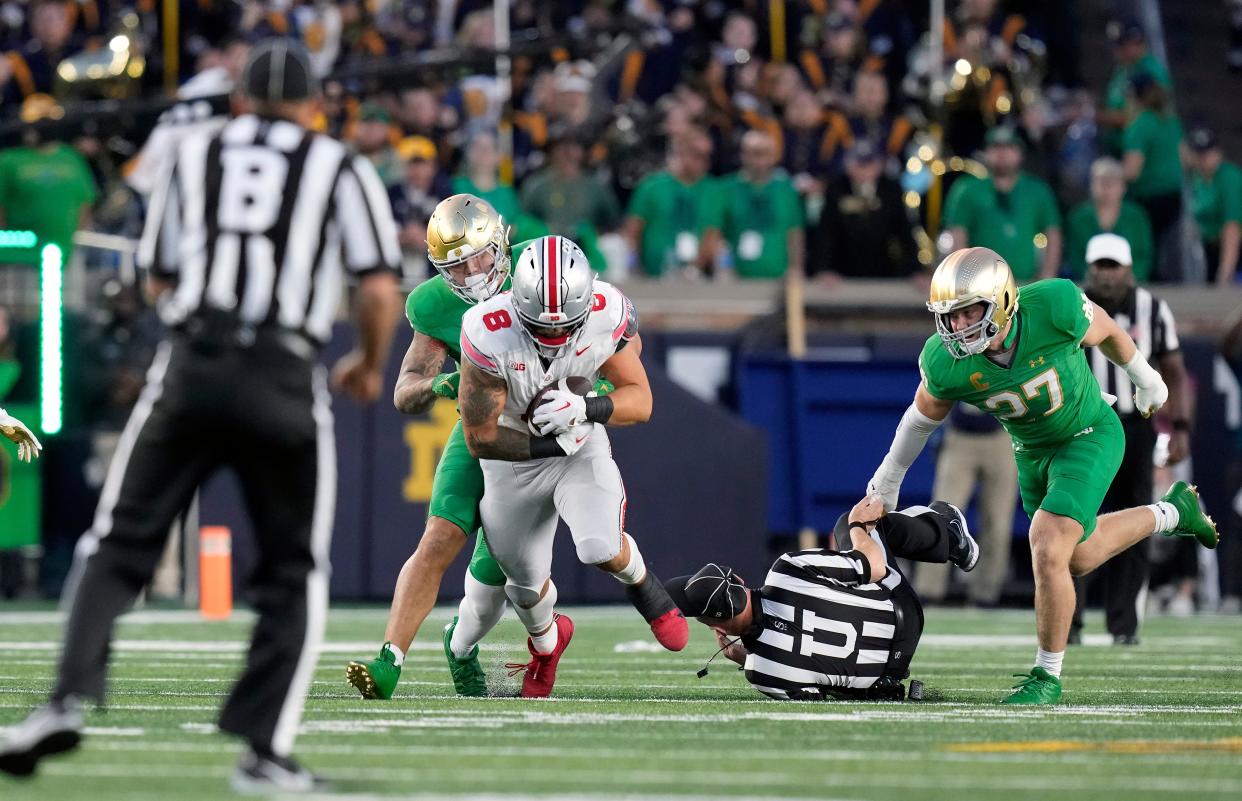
<point x="1048" y="393"/>
<point x="494" y="341"/>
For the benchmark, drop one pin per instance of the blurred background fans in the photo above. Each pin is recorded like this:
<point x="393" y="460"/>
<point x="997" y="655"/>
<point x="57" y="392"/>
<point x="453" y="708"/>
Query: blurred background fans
<point x="771" y="180"/>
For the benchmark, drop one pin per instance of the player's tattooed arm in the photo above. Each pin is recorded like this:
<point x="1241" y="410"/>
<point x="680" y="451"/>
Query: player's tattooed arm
<point x="422" y="363"/>
<point x="482" y="397"/>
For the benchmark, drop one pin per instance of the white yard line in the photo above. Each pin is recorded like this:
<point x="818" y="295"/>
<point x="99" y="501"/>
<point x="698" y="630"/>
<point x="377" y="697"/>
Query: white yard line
<point x="539" y="710"/>
<point x="508" y="775"/>
<point x="689" y="753"/>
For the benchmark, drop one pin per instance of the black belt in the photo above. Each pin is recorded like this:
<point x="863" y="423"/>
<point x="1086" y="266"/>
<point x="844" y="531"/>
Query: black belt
<point x="213" y="338"/>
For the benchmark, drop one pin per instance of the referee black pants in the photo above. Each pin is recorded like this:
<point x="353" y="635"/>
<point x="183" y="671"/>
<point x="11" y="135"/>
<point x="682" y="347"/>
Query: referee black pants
<point x="1125" y="575"/>
<point x="265" y="412"/>
<point x="905" y="534"/>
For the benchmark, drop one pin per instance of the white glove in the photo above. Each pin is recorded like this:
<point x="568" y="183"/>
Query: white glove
<point x="562" y="411"/>
<point x="1148" y="400"/>
<point x="571" y="441"/>
<point x="887" y="484"/>
<point x="1150" y="391"/>
<point x="28" y="445"/>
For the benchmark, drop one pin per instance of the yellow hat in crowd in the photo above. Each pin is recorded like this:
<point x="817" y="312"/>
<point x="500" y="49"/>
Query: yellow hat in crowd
<point x="416" y="147"/>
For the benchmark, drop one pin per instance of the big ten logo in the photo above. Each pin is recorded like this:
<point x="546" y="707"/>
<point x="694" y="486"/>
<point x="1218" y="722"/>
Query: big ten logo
<point x="425" y="439"/>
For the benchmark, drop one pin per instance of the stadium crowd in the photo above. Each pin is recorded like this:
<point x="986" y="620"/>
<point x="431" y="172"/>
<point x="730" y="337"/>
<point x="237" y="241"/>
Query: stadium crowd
<point x="727" y="145"/>
<point x="811" y="129"/>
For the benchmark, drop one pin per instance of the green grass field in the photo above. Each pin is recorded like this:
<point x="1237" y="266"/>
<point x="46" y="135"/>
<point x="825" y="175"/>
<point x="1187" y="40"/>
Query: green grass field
<point x="1163" y="720"/>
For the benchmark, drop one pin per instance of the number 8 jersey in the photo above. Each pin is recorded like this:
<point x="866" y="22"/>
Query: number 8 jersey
<point x="1048" y="393"/>
<point x="494" y="341"/>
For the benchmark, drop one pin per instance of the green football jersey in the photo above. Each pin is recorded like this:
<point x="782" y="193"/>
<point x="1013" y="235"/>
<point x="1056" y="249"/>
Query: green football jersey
<point x="435" y="310"/>
<point x="1048" y="394"/>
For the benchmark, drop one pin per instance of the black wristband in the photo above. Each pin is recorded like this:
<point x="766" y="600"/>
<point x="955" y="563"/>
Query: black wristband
<point x="599" y="410"/>
<point x="545" y="448"/>
<point x="863" y="526"/>
<point x="1181" y="425"/>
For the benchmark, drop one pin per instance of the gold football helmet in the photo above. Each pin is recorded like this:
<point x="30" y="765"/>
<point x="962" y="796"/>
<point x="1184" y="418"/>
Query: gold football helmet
<point x="461" y="228"/>
<point x="966" y="277"/>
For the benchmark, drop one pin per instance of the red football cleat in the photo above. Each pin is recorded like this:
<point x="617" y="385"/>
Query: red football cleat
<point x="671" y="630"/>
<point x="541" y="669"/>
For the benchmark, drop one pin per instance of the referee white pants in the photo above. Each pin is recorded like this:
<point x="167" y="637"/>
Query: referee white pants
<point x="522" y="501"/>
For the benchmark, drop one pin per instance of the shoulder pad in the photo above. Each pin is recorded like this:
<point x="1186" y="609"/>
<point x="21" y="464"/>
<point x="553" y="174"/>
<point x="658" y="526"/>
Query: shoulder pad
<point x="620" y="311"/>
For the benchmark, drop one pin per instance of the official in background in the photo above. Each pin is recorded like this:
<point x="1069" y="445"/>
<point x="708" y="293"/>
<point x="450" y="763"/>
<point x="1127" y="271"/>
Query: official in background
<point x="831" y="624"/>
<point x="248" y="238"/>
<point x="1110" y="283"/>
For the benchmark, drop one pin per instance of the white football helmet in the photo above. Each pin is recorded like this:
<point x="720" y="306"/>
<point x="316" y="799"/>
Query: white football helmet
<point x="553" y="288"/>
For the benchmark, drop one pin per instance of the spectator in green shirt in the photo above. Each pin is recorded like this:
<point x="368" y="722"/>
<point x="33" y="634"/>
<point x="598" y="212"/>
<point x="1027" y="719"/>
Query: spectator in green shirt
<point x="372" y="136"/>
<point x="46" y="188"/>
<point x="668" y="224"/>
<point x="1133" y="58"/>
<point x="481" y="177"/>
<point x="759" y="213"/>
<point x="1216" y="199"/>
<point x="1010" y="212"/>
<point x="1153" y="168"/>
<point x="564" y="196"/>
<point x="1108" y="212"/>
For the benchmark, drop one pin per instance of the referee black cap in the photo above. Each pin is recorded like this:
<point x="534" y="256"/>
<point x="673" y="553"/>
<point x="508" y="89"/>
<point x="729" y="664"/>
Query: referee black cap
<point x="279" y="70"/>
<point x="715" y="592"/>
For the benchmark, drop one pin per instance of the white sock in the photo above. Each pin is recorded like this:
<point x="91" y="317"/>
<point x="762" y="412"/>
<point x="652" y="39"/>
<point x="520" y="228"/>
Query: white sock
<point x="479" y="612"/>
<point x="1049" y="661"/>
<point x="1166" y="514"/>
<point x="539" y="618"/>
<point x="636" y="570"/>
<point x="397" y="653"/>
<point x="545" y="643"/>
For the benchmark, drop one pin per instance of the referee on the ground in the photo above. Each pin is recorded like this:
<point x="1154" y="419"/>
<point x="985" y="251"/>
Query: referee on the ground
<point x="247" y="241"/>
<point x="831" y="624"/>
<point x="1110" y="283"/>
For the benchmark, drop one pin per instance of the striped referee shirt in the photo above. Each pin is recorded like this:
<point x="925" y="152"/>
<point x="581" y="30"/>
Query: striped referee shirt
<point x="1150" y="324"/>
<point x="820" y="623"/>
<point x="264" y="219"/>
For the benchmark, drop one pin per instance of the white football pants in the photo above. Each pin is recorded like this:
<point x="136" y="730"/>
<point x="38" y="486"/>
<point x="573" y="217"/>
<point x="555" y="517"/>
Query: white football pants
<point x="522" y="501"/>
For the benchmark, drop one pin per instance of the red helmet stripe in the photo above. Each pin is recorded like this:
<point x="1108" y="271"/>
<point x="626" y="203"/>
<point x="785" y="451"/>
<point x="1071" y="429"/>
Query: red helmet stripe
<point x="553" y="281"/>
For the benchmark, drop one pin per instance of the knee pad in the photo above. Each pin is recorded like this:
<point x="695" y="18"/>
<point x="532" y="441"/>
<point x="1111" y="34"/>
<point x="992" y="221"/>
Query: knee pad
<point x="523" y="597"/>
<point x="594" y="550"/>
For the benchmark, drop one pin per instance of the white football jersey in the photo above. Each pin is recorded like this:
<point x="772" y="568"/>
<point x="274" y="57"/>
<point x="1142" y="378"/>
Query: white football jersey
<point x="493" y="339"/>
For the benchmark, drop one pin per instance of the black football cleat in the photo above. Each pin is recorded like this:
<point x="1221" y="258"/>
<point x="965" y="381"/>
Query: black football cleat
<point x="265" y="775"/>
<point x="963" y="550"/>
<point x="54" y="728"/>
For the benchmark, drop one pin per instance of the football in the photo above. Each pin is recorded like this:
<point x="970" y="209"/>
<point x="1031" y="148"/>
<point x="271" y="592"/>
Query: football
<point x="575" y="384"/>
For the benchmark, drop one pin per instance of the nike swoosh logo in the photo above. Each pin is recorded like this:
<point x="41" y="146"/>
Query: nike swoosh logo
<point x="579" y="440"/>
<point x="584" y="350"/>
<point x="563" y="408"/>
